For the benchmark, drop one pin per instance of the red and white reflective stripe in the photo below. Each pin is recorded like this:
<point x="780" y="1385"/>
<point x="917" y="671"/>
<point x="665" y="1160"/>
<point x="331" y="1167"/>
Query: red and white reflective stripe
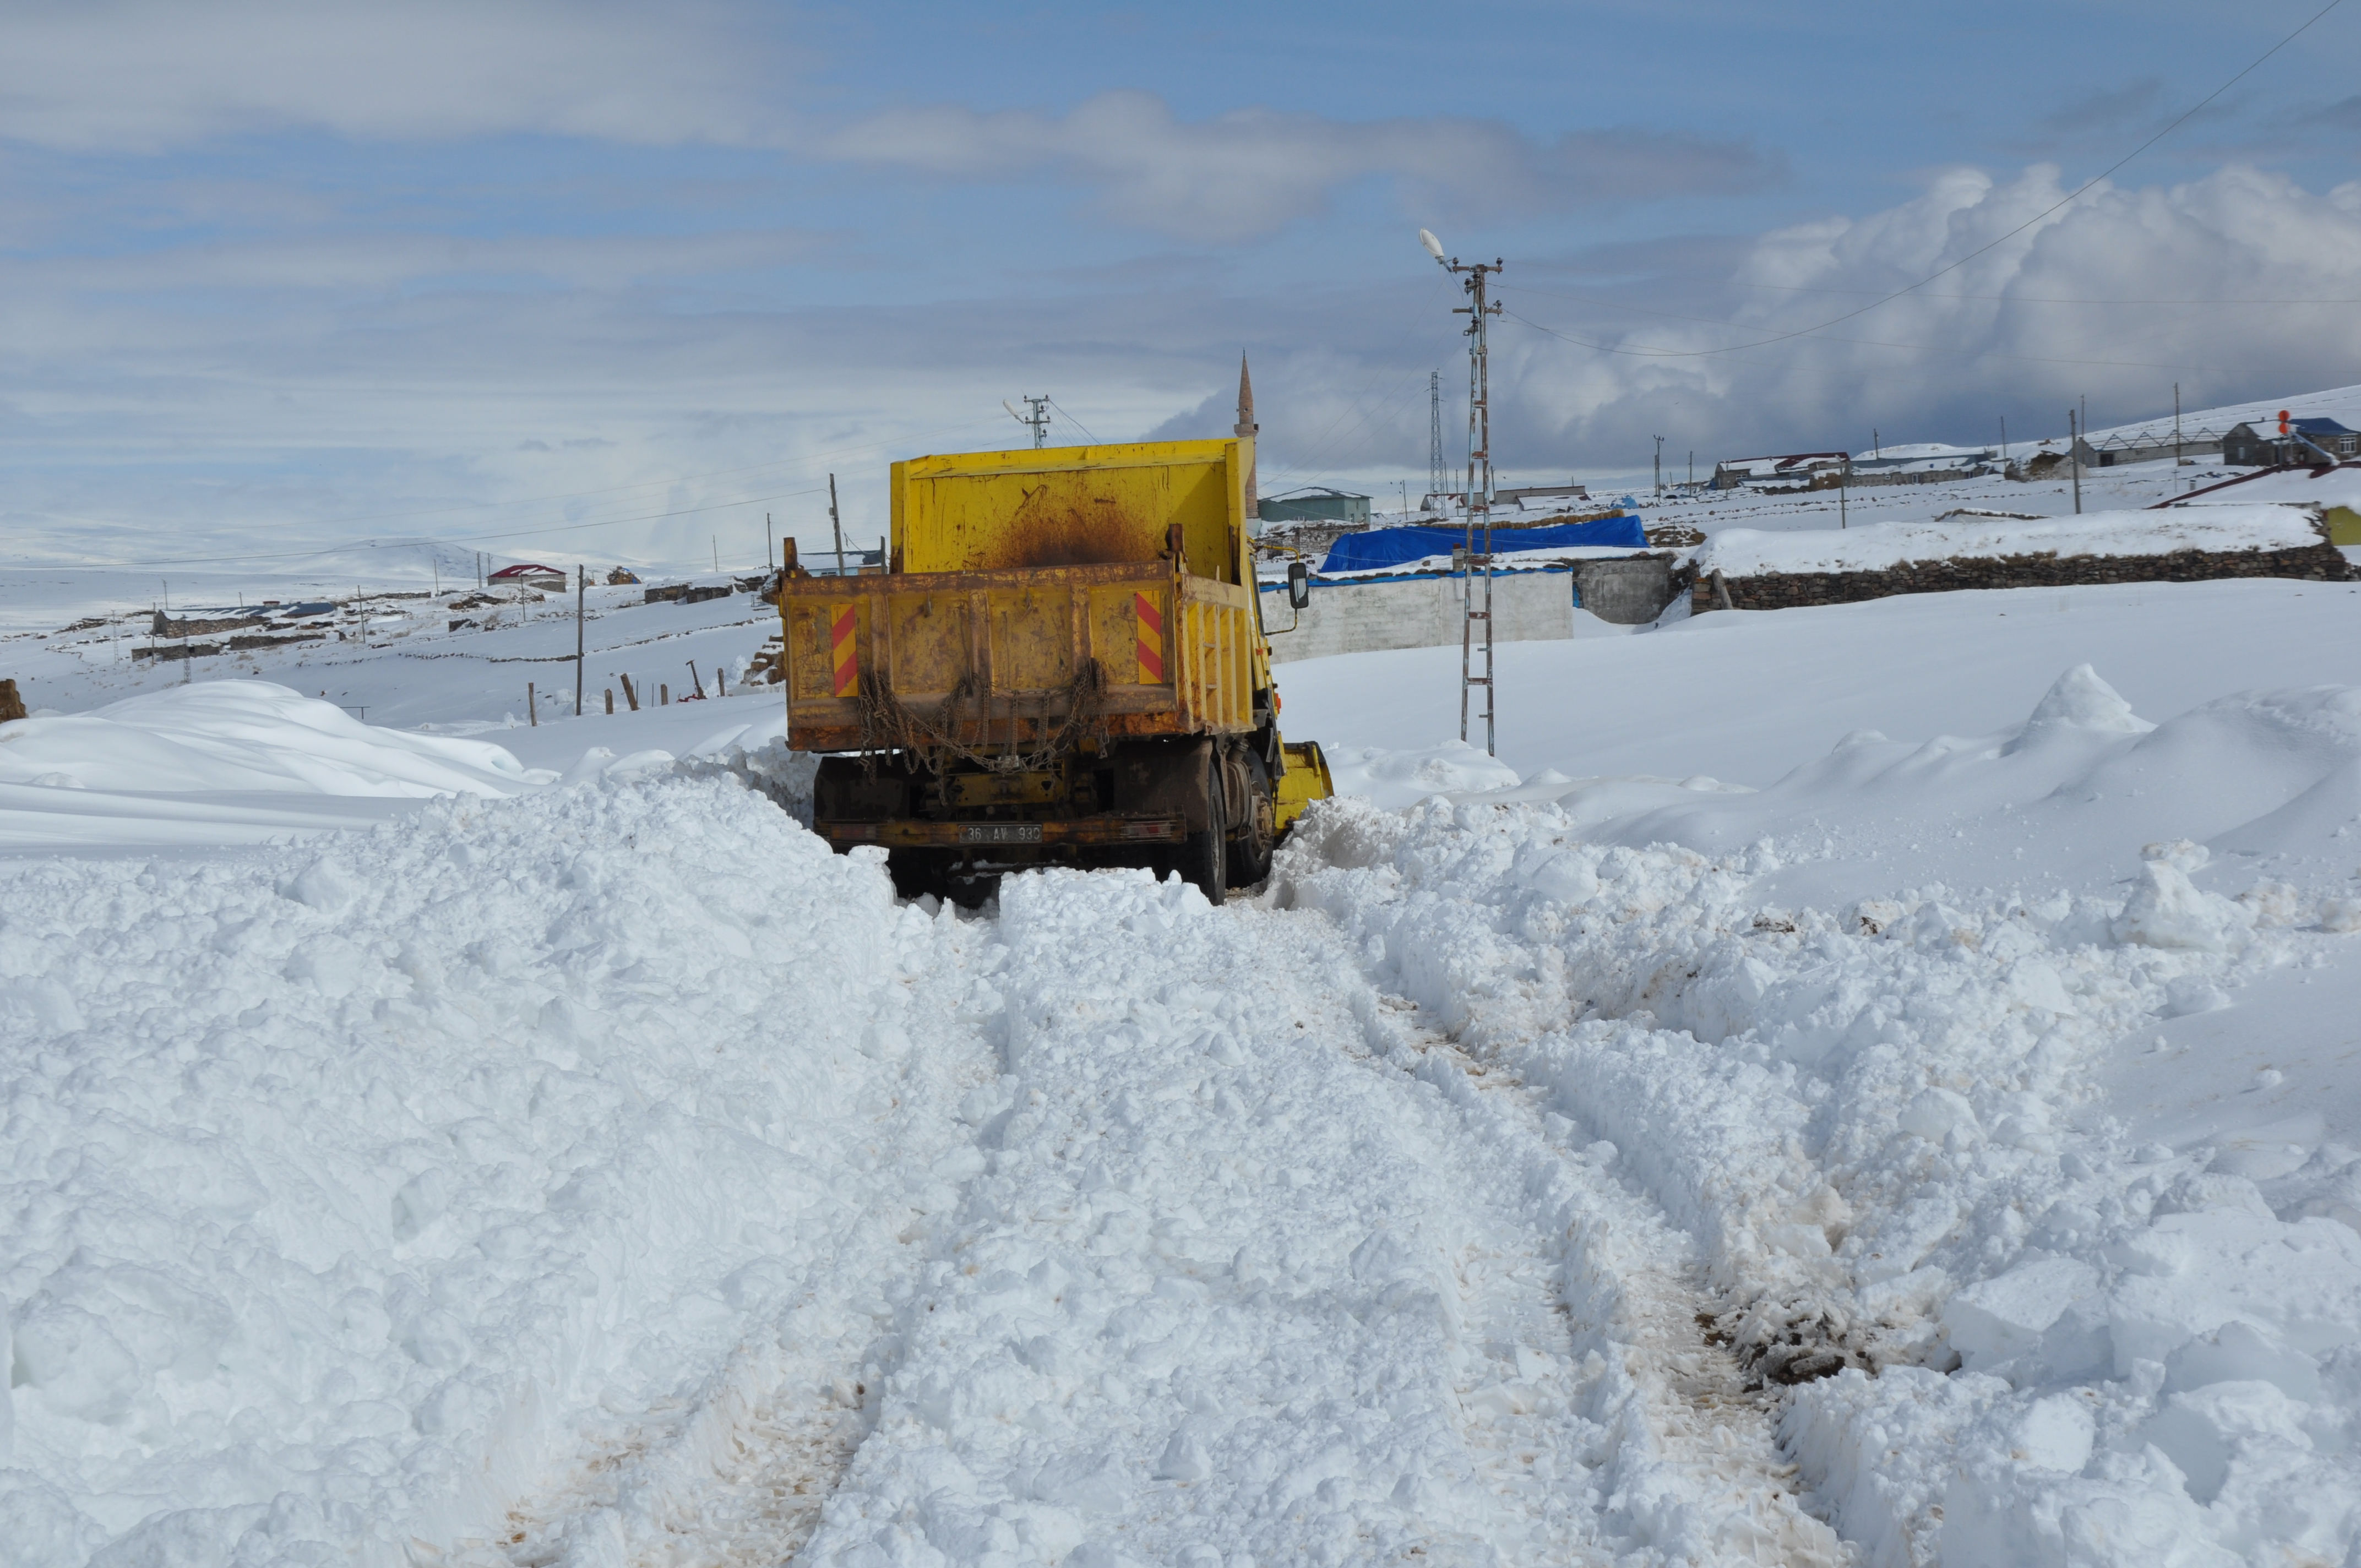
<point x="1150" y="639"/>
<point x="842" y="650"/>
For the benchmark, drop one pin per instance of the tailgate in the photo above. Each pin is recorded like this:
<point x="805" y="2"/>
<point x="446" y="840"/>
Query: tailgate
<point x="992" y="660"/>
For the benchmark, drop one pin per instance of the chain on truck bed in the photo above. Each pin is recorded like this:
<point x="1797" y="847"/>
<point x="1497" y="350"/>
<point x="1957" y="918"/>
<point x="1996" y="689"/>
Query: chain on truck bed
<point x="889" y="724"/>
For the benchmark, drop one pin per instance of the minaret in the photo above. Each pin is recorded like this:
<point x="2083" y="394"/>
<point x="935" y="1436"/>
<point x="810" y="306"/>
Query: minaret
<point x="1246" y="427"/>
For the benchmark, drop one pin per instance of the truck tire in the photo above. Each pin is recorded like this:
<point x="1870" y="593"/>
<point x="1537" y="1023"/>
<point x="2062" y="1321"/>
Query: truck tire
<point x="1249" y="859"/>
<point x="1203" y="858"/>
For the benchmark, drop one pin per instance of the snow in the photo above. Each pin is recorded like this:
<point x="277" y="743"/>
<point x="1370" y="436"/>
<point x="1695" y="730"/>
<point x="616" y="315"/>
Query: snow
<point x="2341" y="403"/>
<point x="1866" y="1084"/>
<point x="1744" y="552"/>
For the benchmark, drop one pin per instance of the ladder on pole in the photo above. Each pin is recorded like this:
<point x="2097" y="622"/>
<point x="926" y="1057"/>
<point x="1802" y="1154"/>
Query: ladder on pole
<point x="1476" y="557"/>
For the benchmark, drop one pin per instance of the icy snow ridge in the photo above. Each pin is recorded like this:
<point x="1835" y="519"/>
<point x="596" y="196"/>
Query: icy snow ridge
<point x="1882" y="1122"/>
<point x="345" y="1182"/>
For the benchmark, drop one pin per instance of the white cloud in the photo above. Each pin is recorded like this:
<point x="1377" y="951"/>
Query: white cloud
<point x="1250" y="172"/>
<point x="2082" y="302"/>
<point x="144" y="75"/>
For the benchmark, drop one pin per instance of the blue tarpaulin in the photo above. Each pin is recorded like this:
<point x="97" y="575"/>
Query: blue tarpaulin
<point x="1392" y="547"/>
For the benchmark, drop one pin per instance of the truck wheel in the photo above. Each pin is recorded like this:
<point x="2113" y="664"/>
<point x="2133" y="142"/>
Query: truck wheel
<point x="1250" y="849"/>
<point x="1204" y="856"/>
<point x="915" y="874"/>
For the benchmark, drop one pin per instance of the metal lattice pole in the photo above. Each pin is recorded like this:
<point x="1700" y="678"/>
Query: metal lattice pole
<point x="1479" y="311"/>
<point x="1438" y="477"/>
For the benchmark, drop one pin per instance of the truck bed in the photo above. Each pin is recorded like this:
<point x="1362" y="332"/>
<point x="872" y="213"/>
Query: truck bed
<point x="999" y="659"/>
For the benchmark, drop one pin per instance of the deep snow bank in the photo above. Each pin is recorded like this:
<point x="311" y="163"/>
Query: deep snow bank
<point x="342" y="1180"/>
<point x="1883" y="1114"/>
<point x="247" y="735"/>
<point x="223" y="763"/>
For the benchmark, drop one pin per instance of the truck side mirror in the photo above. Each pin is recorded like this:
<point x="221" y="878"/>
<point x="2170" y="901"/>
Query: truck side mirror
<point x="1299" y="583"/>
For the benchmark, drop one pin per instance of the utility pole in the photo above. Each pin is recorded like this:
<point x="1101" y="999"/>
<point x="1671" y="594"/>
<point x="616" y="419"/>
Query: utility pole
<point x="1438" y="479"/>
<point x="1877" y="447"/>
<point x="769" y="549"/>
<point x="2176" y="435"/>
<point x="1692" y="484"/>
<point x="1844" y="483"/>
<point x="1660" y="467"/>
<point x="2074" y="454"/>
<point x="581" y="598"/>
<point x="2004" y="441"/>
<point x="1035" y="418"/>
<point x="837" y="523"/>
<point x="1479" y="311"/>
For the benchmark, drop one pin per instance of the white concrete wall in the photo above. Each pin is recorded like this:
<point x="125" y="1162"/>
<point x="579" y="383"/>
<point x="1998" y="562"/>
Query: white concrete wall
<point x="1358" y="617"/>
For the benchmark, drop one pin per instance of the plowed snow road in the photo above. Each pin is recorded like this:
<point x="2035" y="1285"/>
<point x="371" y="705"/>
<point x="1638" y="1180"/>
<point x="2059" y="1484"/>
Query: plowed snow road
<point x="1242" y="1264"/>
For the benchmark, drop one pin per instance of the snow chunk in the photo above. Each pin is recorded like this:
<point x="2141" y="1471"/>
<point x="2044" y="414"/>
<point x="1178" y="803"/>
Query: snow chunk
<point x="2080" y="700"/>
<point x="2168" y="910"/>
<point x="2005" y="1316"/>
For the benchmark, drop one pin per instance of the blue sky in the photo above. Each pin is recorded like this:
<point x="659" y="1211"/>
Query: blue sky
<point x="278" y="276"/>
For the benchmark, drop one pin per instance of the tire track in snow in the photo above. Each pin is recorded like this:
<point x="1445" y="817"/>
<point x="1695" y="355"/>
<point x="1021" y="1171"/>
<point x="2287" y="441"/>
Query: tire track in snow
<point x="1252" y="1262"/>
<point x="1693" y="1454"/>
<point x="735" y="1473"/>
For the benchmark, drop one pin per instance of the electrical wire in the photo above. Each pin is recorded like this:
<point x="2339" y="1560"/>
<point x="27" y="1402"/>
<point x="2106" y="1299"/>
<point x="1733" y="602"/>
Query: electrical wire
<point x="1078" y="424"/>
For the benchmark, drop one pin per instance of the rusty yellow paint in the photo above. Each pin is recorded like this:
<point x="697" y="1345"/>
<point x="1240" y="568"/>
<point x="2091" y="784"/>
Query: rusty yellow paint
<point x="1074" y="506"/>
<point x="1014" y="572"/>
<point x="1009" y="644"/>
<point x="1305" y="781"/>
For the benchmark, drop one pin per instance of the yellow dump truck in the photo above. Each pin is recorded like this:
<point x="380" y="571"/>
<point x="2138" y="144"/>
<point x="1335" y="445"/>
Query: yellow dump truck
<point x="1064" y="661"/>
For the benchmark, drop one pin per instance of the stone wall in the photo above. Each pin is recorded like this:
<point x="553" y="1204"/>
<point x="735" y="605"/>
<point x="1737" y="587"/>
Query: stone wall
<point x="1360" y="615"/>
<point x="1788" y="590"/>
<point x="1625" y="593"/>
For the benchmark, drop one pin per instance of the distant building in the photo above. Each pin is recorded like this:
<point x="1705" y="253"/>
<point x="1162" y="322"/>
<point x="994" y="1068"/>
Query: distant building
<point x="1793" y="471"/>
<point x="530" y="574"/>
<point x="857" y="563"/>
<point x="1920" y="463"/>
<point x="1541" y="494"/>
<point x="1316" y="503"/>
<point x="2260" y="443"/>
<point x="2145" y="443"/>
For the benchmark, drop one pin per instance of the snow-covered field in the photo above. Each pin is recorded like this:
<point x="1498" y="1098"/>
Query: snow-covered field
<point x="1871" y="1084"/>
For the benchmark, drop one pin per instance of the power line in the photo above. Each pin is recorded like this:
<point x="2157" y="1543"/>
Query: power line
<point x="1078" y="424"/>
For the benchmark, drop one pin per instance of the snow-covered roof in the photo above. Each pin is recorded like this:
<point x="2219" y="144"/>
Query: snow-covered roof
<point x="1792" y="463"/>
<point x="1919" y="457"/>
<point x="1746" y="552"/>
<point x="2342" y="403"/>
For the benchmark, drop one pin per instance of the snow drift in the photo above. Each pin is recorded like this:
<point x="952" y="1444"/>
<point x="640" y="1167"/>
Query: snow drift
<point x="1882" y="546"/>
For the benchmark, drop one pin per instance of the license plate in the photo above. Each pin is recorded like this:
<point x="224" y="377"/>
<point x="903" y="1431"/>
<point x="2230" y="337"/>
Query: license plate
<point x="1001" y="833"/>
